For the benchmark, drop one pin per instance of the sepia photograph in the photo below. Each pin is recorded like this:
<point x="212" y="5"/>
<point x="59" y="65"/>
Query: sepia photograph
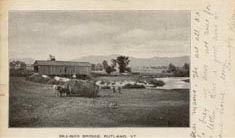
<point x="99" y="68"/>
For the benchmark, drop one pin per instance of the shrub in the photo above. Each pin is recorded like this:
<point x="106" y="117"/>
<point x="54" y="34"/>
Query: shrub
<point x="37" y="78"/>
<point x="134" y="86"/>
<point x="159" y="83"/>
<point x="105" y="87"/>
<point x="55" y="82"/>
<point x="83" y="77"/>
<point x="179" y="71"/>
<point x="102" y="82"/>
<point x="187" y="80"/>
<point x="109" y="69"/>
<point x="156" y="82"/>
<point x="20" y="72"/>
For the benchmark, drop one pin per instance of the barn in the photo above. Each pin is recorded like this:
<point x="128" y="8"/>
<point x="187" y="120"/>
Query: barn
<point x="50" y="67"/>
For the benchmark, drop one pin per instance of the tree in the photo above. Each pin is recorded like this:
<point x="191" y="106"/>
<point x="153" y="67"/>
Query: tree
<point x="171" y="68"/>
<point x="99" y="66"/>
<point x="128" y="69"/>
<point x="186" y="69"/>
<point x="186" y="66"/>
<point x="109" y="69"/>
<point x="105" y="64"/>
<point x="92" y="66"/>
<point x="114" y="63"/>
<point x="123" y="62"/>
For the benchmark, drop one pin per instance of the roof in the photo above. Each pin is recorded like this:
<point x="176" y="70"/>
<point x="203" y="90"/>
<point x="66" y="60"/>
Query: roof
<point x="60" y="63"/>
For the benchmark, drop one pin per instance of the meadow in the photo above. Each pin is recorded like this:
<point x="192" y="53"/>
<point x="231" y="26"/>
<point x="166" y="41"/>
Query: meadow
<point x="35" y="105"/>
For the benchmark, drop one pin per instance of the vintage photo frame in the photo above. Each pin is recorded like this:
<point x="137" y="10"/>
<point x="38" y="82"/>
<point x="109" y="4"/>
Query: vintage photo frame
<point x="212" y="68"/>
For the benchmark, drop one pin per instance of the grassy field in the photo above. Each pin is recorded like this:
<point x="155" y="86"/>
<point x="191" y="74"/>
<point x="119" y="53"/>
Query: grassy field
<point x="35" y="105"/>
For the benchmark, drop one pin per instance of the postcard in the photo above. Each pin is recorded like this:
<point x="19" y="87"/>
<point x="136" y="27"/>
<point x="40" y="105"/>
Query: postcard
<point x="117" y="69"/>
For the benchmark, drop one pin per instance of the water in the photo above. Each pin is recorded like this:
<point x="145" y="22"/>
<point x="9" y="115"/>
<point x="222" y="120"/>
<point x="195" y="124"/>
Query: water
<point x="175" y="83"/>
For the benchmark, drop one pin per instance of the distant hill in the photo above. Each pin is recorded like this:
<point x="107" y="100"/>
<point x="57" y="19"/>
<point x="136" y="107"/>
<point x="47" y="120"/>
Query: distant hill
<point x="154" y="61"/>
<point x="96" y="59"/>
<point x="25" y="60"/>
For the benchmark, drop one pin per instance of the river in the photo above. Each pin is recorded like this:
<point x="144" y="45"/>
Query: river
<point x="175" y="83"/>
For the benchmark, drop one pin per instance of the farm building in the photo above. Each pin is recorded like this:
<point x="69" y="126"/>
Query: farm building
<point x="50" y="67"/>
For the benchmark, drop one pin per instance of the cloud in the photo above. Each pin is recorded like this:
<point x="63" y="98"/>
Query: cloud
<point x="71" y="35"/>
<point x="161" y="40"/>
<point x="158" y="48"/>
<point x="135" y="34"/>
<point x="89" y="29"/>
<point x="160" y="34"/>
<point x="133" y="42"/>
<point x="90" y="33"/>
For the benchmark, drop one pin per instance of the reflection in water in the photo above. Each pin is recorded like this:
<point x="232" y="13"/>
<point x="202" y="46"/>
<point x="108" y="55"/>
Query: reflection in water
<point x="175" y="83"/>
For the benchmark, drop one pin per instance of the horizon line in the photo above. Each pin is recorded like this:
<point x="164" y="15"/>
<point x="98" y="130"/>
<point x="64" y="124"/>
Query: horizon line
<point x="104" y="56"/>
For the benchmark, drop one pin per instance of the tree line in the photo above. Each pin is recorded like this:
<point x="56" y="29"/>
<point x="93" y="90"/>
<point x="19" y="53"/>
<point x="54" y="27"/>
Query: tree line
<point x="183" y="71"/>
<point x="121" y="61"/>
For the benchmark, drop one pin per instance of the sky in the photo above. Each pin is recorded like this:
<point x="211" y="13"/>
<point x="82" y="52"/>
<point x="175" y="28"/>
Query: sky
<point x="73" y="34"/>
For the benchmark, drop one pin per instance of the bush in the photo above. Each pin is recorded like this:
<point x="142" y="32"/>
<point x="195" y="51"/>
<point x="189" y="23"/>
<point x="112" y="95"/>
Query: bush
<point x="105" y="87"/>
<point x="83" y="77"/>
<point x="187" y="80"/>
<point x="102" y="82"/>
<point x="109" y="69"/>
<point x="155" y="82"/>
<point x="20" y="72"/>
<point x="179" y="71"/>
<point x="159" y="83"/>
<point x="134" y="86"/>
<point x="37" y="78"/>
<point x="55" y="82"/>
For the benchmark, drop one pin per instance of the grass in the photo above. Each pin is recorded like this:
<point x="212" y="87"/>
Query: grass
<point x="35" y="105"/>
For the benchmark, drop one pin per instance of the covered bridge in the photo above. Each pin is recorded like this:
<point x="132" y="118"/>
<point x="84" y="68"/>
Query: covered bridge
<point x="50" y="67"/>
